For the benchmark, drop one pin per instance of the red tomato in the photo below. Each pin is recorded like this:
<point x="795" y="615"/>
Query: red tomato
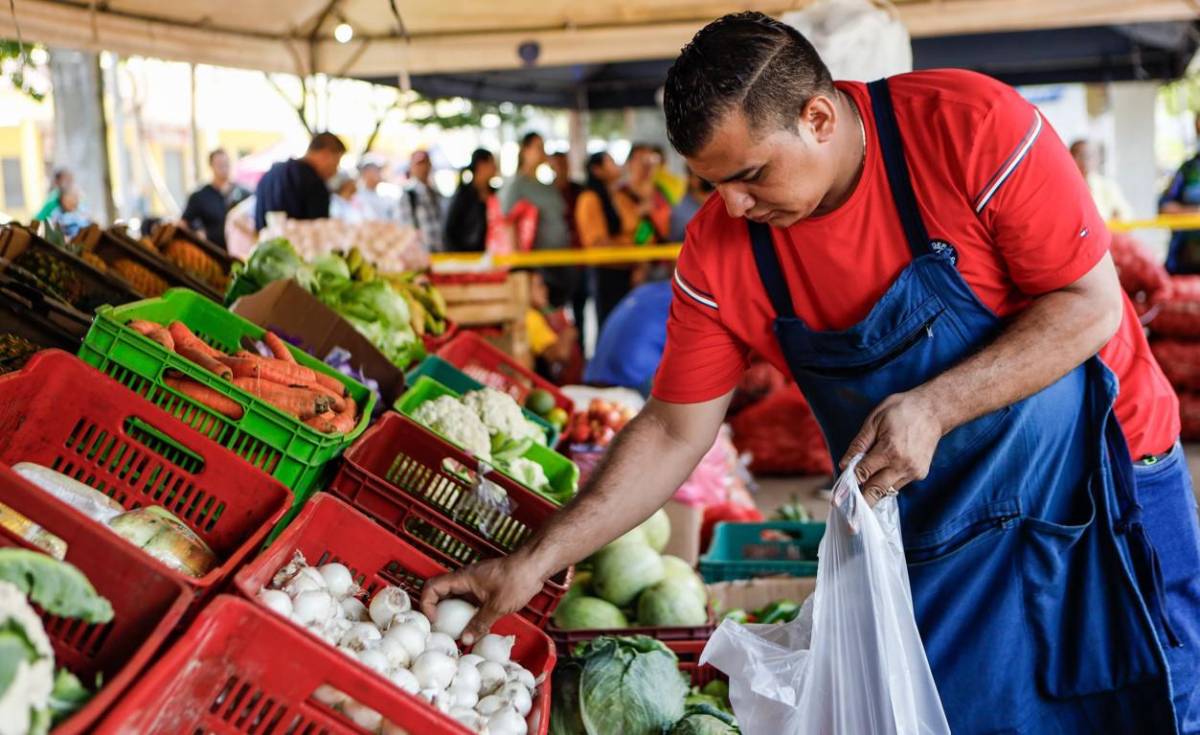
<point x="605" y="437"/>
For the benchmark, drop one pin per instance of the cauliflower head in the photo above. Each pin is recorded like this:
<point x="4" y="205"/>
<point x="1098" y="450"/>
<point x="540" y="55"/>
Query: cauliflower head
<point x="24" y="703"/>
<point x="502" y="415"/>
<point x="461" y="425"/>
<point x="530" y="474"/>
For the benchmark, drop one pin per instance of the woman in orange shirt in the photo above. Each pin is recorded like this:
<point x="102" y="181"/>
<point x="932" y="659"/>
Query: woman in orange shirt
<point x="609" y="215"/>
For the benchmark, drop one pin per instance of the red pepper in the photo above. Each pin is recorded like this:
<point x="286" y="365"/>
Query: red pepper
<point x="732" y="512"/>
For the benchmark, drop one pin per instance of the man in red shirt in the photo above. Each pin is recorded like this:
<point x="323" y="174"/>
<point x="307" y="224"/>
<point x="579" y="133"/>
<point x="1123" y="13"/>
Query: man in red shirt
<point x="922" y="256"/>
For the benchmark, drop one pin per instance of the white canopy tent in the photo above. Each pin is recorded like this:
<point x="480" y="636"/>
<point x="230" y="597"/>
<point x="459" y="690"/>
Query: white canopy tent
<point x="429" y="36"/>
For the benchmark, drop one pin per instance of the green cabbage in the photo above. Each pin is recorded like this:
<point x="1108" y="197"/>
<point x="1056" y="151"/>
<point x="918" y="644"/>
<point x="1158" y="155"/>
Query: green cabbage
<point x="705" y="719"/>
<point x="630" y="685"/>
<point x="657" y="529"/>
<point x="678" y="569"/>
<point x="581" y="612"/>
<point x="623" y="570"/>
<point x="669" y="603"/>
<point x="277" y="260"/>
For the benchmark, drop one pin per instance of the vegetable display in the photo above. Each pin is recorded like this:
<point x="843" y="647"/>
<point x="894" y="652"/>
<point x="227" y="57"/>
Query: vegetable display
<point x="599" y="424"/>
<point x="390" y="310"/>
<point x="631" y="583"/>
<point x="484" y="690"/>
<point x="491" y="425"/>
<point x="630" y="685"/>
<point x="319" y="400"/>
<point x="779" y="611"/>
<point x="33" y="697"/>
<point x="196" y="262"/>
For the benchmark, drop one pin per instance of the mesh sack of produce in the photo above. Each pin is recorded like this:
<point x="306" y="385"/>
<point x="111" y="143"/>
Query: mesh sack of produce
<point x="1180" y="362"/>
<point x="1189" y="416"/>
<point x="760" y="380"/>
<point x="782" y="436"/>
<point x="1138" y="270"/>
<point x="1177" y="311"/>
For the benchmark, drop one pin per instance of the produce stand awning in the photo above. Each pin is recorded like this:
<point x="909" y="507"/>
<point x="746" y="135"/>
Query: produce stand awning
<point x="432" y="36"/>
<point x="1102" y="53"/>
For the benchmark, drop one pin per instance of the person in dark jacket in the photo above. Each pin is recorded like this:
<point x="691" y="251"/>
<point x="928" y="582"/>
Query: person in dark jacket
<point x="467" y="219"/>
<point x="297" y="186"/>
<point x="208" y="206"/>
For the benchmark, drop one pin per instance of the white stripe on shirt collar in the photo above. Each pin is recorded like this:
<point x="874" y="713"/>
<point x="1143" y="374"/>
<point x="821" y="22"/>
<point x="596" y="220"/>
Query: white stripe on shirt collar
<point x="692" y="292"/>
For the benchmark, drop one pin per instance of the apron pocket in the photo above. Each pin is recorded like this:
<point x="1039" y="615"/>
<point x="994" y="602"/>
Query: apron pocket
<point x="967" y="598"/>
<point x="1080" y="612"/>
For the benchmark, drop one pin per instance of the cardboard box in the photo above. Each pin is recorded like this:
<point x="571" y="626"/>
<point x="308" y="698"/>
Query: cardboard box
<point x="285" y="307"/>
<point x="685" y="531"/>
<point x="752" y="594"/>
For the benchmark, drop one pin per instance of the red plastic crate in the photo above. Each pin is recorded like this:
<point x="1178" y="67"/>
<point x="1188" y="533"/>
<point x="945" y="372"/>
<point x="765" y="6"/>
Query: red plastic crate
<point x="241" y="669"/>
<point x="433" y="344"/>
<point x="147" y="602"/>
<point x="689" y="661"/>
<point x="63" y="414"/>
<point x="403" y="477"/>
<point x="328" y="530"/>
<point x="488" y="364"/>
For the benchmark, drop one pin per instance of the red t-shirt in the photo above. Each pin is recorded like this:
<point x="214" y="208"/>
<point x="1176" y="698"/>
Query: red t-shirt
<point x="991" y="177"/>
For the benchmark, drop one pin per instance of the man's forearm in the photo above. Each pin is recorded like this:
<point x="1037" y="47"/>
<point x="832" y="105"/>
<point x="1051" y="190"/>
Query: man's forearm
<point x="1058" y="332"/>
<point x="644" y="466"/>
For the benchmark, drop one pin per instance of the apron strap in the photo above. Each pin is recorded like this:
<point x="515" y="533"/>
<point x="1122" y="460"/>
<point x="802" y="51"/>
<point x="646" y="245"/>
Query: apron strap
<point x="892" y="149"/>
<point x="769" y="270"/>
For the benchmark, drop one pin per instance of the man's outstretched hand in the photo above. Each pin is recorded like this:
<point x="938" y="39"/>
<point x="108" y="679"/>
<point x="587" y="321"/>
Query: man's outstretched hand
<point x="498" y="586"/>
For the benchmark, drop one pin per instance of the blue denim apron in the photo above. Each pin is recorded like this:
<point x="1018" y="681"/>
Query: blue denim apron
<point x="1035" y="588"/>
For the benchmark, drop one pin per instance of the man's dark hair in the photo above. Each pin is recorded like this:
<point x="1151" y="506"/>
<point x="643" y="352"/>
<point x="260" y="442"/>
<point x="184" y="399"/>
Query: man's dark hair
<point x="529" y="137"/>
<point x="749" y="61"/>
<point x="60" y="174"/>
<point x="326" y="142"/>
<point x="214" y="153"/>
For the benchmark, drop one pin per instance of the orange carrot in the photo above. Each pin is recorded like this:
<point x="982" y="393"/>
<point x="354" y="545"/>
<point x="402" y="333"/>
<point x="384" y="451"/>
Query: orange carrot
<point x="184" y="336"/>
<point x="156" y="332"/>
<point x="346" y="419"/>
<point x="331" y="383"/>
<point x="339" y="403"/>
<point x="204" y="360"/>
<point x="278" y="348"/>
<point x="299" y="402"/>
<point x="322" y="422"/>
<point x="275" y="371"/>
<point x="206" y="396"/>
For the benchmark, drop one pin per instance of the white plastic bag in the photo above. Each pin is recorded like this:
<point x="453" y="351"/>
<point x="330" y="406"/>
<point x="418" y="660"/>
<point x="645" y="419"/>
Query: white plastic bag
<point x="863" y="670"/>
<point x="858" y="40"/>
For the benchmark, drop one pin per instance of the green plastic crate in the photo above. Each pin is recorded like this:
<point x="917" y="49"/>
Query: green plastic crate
<point x="748" y="550"/>
<point x="459" y="382"/>
<point x="266" y="437"/>
<point x="562" y="473"/>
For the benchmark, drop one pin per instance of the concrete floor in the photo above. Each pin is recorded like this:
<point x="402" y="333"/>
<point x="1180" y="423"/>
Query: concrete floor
<point x="776" y="491"/>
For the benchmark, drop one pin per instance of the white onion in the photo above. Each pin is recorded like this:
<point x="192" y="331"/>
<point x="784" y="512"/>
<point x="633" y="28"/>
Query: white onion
<point x="466" y="677"/>
<point x="359" y="635"/>
<point x="374" y="660"/>
<point x="494" y="647"/>
<point x="518" y="673"/>
<point x="489" y="705"/>
<point x="387" y="604"/>
<point x="441" y="642"/>
<point x="518" y="696"/>
<point x="507" y="722"/>
<point x="427" y="694"/>
<point x="443" y="701"/>
<point x="347" y="651"/>
<point x="393" y="648"/>
<point x="434" y="670"/>
<point x="314" y="606"/>
<point x="464" y="696"/>
<point x="307" y="579"/>
<point x="473" y="659"/>
<point x="452" y="617"/>
<point x="416" y="618"/>
<point x="361" y="715"/>
<point x="491" y="677"/>
<point x="328" y="695"/>
<point x="410" y="636"/>
<point x="276" y="600"/>
<point x="404" y="679"/>
<point x="467" y="717"/>
<point x="355" y="610"/>
<point x="337" y="579"/>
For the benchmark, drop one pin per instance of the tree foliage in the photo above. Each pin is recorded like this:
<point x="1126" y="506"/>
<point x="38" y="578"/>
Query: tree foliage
<point x="16" y="68"/>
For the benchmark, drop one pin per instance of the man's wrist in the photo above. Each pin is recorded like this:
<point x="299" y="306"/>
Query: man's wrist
<point x="945" y="410"/>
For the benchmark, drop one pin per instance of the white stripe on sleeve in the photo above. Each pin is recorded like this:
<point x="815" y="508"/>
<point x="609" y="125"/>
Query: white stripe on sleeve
<point x="1014" y="160"/>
